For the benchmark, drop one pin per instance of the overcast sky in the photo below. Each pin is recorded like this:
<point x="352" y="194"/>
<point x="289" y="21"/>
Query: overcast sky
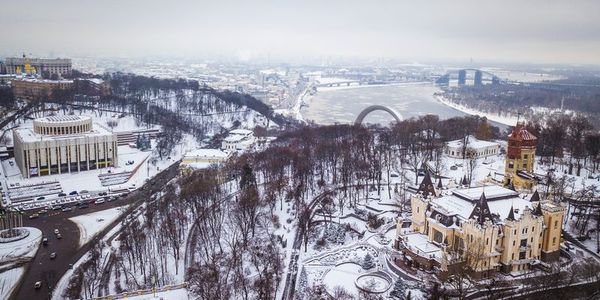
<point x="501" y="30"/>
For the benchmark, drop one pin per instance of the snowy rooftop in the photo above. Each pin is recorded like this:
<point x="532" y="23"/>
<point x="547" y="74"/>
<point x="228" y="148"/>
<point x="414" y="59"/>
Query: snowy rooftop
<point x="62" y="119"/>
<point x="462" y="202"/>
<point x="492" y="192"/>
<point x="28" y="136"/>
<point x="243" y="132"/>
<point x="472" y="142"/>
<point x="422" y="245"/>
<point x="209" y="153"/>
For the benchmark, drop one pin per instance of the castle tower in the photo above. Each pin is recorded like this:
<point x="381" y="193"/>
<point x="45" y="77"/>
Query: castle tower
<point x="553" y="220"/>
<point x="520" y="158"/>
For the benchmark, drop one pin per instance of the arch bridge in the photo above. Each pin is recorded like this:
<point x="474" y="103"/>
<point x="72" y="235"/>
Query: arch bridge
<point x="397" y="116"/>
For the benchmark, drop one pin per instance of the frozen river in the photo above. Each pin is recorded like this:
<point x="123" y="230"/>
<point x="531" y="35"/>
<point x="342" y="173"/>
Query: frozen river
<point x="342" y="105"/>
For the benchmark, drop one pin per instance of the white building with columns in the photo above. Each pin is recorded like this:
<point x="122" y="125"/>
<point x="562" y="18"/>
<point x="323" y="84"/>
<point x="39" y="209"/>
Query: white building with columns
<point x="64" y="144"/>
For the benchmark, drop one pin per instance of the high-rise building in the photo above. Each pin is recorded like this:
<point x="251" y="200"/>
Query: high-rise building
<point x="478" y="78"/>
<point x="462" y="77"/>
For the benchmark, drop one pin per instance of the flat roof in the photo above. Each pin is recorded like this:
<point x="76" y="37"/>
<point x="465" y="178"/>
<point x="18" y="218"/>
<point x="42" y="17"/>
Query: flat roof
<point x="240" y="132"/>
<point x="62" y="118"/>
<point x="472" y="142"/>
<point x="492" y="192"/>
<point x="28" y="136"/>
<point x="216" y="153"/>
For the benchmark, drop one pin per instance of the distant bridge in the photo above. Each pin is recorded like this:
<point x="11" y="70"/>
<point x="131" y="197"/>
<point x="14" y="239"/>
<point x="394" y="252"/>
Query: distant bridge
<point x="373" y="108"/>
<point x="461" y="76"/>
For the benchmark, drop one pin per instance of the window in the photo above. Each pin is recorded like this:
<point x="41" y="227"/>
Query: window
<point x="554" y="241"/>
<point x="555" y="224"/>
<point x="487" y="241"/>
<point x="523" y="243"/>
<point x="513" y="256"/>
<point x="515" y="232"/>
<point x="533" y="229"/>
<point x="525" y="156"/>
<point x="522" y="255"/>
<point x="525" y="165"/>
<point x="511" y="164"/>
<point x="514" y="243"/>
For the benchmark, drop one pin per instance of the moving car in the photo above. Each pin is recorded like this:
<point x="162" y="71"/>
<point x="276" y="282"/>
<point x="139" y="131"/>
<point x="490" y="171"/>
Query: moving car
<point x="59" y="236"/>
<point x="45" y="241"/>
<point x="37" y="285"/>
<point x="42" y="211"/>
<point x="53" y="255"/>
<point x="33" y="216"/>
<point x="56" y="231"/>
<point x="99" y="201"/>
<point x="67" y="209"/>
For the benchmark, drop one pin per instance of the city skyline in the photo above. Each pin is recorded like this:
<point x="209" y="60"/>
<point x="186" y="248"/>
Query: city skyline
<point x="549" y="32"/>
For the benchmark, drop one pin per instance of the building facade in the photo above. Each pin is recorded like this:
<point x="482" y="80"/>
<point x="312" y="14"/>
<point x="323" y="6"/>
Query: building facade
<point x="39" y="66"/>
<point x="238" y="140"/>
<point x="488" y="229"/>
<point x="474" y="148"/>
<point x="64" y="144"/>
<point x="520" y="158"/>
<point x="35" y="89"/>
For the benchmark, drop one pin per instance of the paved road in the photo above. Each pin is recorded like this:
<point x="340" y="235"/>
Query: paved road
<point x="42" y="268"/>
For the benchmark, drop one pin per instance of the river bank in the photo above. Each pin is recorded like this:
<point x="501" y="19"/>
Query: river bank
<point x="507" y="119"/>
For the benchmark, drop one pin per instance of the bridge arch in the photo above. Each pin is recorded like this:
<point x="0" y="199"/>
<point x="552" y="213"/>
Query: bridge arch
<point x="373" y="108"/>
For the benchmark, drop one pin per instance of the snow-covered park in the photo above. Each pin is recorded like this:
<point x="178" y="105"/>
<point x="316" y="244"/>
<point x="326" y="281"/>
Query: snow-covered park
<point x="91" y="224"/>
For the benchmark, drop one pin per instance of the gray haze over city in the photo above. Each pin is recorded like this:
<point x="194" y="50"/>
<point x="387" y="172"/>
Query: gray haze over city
<point x="561" y="32"/>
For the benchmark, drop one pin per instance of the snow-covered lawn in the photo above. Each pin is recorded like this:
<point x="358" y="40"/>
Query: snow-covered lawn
<point x="9" y="280"/>
<point x="343" y="276"/>
<point x="91" y="224"/>
<point x="21" y="249"/>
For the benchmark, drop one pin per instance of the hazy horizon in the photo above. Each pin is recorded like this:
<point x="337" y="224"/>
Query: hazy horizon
<point x="545" y="32"/>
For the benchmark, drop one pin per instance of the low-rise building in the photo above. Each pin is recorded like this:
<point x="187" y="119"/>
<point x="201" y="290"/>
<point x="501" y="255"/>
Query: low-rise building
<point x="35" y="88"/>
<point x="39" y="66"/>
<point x="203" y="158"/>
<point x="488" y="229"/>
<point x="64" y="144"/>
<point x="238" y="140"/>
<point x="474" y="148"/>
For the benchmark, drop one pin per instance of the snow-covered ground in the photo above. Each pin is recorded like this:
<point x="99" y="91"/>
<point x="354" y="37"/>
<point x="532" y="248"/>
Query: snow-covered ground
<point x="17" y="253"/>
<point x="91" y="224"/>
<point x="21" y="249"/>
<point x="9" y="280"/>
<point x="178" y="294"/>
<point x="505" y="119"/>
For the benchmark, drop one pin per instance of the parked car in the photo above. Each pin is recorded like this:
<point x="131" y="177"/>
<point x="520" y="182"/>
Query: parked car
<point x="83" y="192"/>
<point x="42" y="211"/>
<point x="45" y="241"/>
<point x="73" y="193"/>
<point x="53" y="255"/>
<point x="41" y="198"/>
<point x="33" y="216"/>
<point x="67" y="209"/>
<point x="59" y="236"/>
<point x="84" y="205"/>
<point x="102" y="194"/>
<point x="37" y="285"/>
<point x="56" y="231"/>
<point x="56" y="207"/>
<point x="61" y="194"/>
<point x="99" y="201"/>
